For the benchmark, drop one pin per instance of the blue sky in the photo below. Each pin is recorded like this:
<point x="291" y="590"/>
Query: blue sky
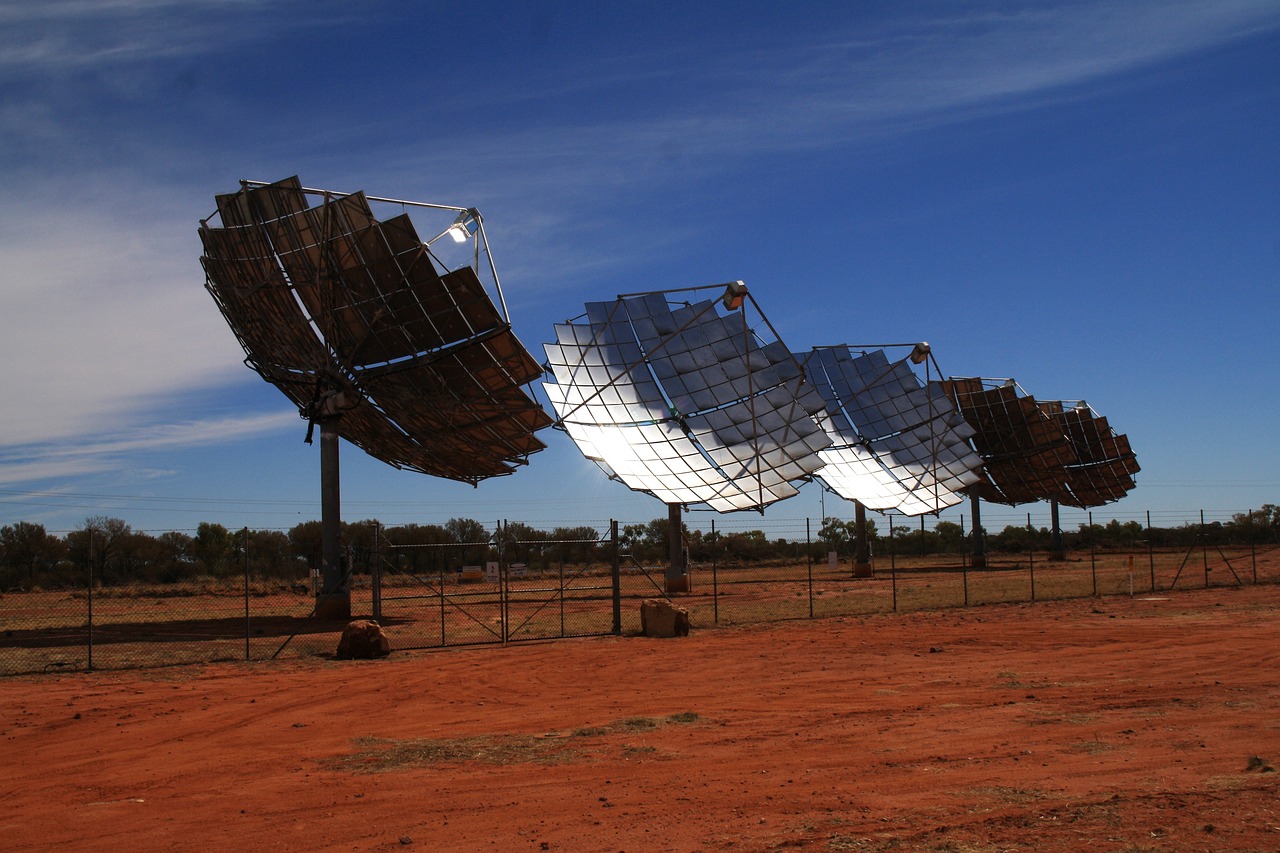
<point x="1084" y="196"/>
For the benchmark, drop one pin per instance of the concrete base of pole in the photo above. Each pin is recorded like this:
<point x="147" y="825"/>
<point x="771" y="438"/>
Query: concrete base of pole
<point x="680" y="583"/>
<point x="862" y="570"/>
<point x="1058" y="556"/>
<point x="978" y="561"/>
<point x="334" y="605"/>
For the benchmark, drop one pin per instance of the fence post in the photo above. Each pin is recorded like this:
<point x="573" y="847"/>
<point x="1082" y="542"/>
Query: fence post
<point x="440" y="569"/>
<point x="1151" y="554"/>
<point x="1093" y="557"/>
<point x="617" y="578"/>
<point x="1031" y="555"/>
<point x="500" y="537"/>
<point x="893" y="564"/>
<point x="1204" y="549"/>
<point x="715" y="578"/>
<point x="247" y="629"/>
<point x="376" y="580"/>
<point x="808" y="550"/>
<point x="90" y="599"/>
<point x="1253" y="549"/>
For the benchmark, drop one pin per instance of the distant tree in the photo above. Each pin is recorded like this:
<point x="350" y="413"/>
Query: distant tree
<point x="1125" y="535"/>
<point x="102" y="544"/>
<point x="951" y="536"/>
<point x="699" y="544"/>
<point x="745" y="545"/>
<point x="472" y="536"/>
<point x="307" y="541"/>
<point x="1261" y="526"/>
<point x="360" y="534"/>
<point x="466" y="530"/>
<point x="416" y="534"/>
<point x="172" y="560"/>
<point x="575" y="544"/>
<point x="648" y="542"/>
<point x="176" y="544"/>
<point x="149" y="559"/>
<point x="524" y="544"/>
<point x="27" y="552"/>
<point x="916" y="540"/>
<point x="411" y="548"/>
<point x="214" y="550"/>
<point x="632" y="540"/>
<point x="269" y="553"/>
<point x="516" y="531"/>
<point x="1014" y="538"/>
<point x="838" y="534"/>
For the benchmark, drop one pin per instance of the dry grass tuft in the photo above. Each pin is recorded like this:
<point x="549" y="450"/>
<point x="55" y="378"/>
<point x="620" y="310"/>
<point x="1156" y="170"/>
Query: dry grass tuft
<point x="381" y="755"/>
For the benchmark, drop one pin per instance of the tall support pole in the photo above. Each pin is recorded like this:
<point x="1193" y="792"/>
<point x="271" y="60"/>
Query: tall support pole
<point x="677" y="572"/>
<point x="979" y="544"/>
<point x="861" y="547"/>
<point x="244" y="541"/>
<point x="334" y="598"/>
<point x="1056" y="551"/>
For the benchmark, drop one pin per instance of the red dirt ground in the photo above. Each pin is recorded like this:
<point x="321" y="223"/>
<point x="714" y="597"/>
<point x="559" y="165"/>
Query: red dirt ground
<point x="1145" y="724"/>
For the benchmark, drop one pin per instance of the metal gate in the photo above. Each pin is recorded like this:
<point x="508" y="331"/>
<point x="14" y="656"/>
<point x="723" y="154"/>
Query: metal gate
<point x="498" y="591"/>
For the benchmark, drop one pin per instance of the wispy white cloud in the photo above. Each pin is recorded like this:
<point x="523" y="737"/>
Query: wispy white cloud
<point x="830" y="93"/>
<point x="875" y="82"/>
<point x="62" y="36"/>
<point x="965" y="57"/>
<point x="51" y="460"/>
<point x="99" y="317"/>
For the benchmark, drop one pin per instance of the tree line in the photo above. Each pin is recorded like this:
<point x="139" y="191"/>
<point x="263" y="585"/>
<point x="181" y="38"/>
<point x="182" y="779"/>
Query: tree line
<point x="111" y="552"/>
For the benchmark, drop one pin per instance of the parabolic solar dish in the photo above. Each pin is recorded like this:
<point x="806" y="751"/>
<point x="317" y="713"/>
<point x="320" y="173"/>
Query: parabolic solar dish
<point x="354" y="318"/>
<point x="687" y="404"/>
<point x="1105" y="463"/>
<point x="897" y="444"/>
<point x="1024" y="451"/>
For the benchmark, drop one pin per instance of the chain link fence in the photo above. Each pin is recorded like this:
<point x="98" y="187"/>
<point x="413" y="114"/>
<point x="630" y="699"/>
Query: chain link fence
<point x="517" y="587"/>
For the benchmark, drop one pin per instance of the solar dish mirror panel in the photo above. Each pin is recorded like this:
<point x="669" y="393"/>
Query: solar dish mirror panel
<point x="898" y="443"/>
<point x="1041" y="450"/>
<point x="1105" y="465"/>
<point x="1023" y="452"/>
<point x="330" y="303"/>
<point x="685" y="399"/>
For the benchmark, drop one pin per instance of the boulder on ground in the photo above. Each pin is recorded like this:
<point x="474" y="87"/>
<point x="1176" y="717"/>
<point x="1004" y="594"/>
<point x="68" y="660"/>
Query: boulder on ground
<point x="363" y="639"/>
<point x="661" y="618"/>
